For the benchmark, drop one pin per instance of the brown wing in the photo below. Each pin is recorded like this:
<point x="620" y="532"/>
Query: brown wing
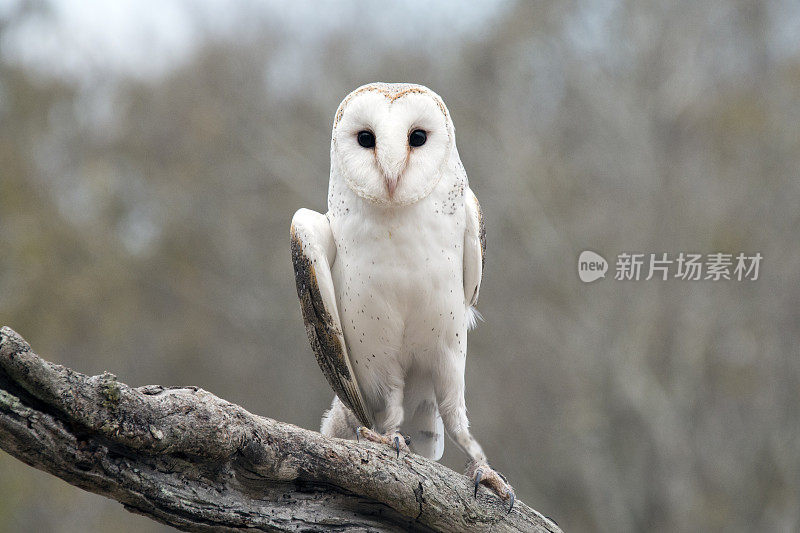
<point x="313" y="251"/>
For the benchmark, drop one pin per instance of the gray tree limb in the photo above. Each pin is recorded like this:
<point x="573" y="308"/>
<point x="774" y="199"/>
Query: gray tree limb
<point x="184" y="457"/>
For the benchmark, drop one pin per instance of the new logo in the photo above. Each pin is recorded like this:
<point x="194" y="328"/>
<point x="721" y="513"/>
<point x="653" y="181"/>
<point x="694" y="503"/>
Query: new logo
<point x="591" y="266"/>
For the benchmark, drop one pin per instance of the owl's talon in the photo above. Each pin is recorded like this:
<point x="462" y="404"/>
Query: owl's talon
<point x="483" y="474"/>
<point x="394" y="440"/>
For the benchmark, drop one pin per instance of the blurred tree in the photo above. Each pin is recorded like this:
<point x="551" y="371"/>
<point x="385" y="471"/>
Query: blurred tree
<point x="145" y="220"/>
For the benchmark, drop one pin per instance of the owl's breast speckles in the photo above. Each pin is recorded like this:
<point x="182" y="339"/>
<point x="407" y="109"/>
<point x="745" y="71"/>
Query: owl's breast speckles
<point x="454" y="199"/>
<point x="398" y="277"/>
<point x="338" y="203"/>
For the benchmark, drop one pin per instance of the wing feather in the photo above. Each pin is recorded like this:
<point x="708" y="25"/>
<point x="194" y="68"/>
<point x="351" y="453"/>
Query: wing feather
<point x="474" y="248"/>
<point x="313" y="253"/>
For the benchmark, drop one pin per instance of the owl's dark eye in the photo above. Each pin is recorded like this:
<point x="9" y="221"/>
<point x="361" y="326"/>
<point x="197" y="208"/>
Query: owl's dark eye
<point x="417" y="138"/>
<point x="366" y="139"/>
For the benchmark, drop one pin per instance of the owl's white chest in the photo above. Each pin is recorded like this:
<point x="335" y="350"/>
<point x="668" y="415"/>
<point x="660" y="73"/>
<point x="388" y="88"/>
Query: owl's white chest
<point x="398" y="277"/>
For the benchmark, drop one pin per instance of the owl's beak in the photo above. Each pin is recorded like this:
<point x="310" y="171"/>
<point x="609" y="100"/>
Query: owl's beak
<point x="392" y="156"/>
<point x="392" y="173"/>
<point x="391" y="184"/>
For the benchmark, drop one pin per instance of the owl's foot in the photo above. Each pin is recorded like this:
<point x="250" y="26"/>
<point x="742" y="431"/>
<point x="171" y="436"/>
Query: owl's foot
<point x="394" y="439"/>
<point x="482" y="474"/>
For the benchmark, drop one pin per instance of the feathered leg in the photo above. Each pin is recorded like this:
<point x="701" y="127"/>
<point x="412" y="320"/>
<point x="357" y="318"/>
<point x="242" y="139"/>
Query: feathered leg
<point x="387" y="422"/>
<point x="450" y="395"/>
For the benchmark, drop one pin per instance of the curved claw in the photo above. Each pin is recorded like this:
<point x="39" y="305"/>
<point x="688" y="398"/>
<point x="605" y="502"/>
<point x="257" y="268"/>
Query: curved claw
<point x="397" y="445"/>
<point x="478" y="476"/>
<point x="512" y="503"/>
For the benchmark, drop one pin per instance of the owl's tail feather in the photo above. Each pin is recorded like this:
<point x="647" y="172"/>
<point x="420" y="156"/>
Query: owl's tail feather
<point x="423" y="422"/>
<point x="473" y="316"/>
<point x="339" y="421"/>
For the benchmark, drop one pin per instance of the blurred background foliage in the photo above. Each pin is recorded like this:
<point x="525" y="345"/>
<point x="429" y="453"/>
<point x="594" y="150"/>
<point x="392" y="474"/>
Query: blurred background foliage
<point x="152" y="155"/>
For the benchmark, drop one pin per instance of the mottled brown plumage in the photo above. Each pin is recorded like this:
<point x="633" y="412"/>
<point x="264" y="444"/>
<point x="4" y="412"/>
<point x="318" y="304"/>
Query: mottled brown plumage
<point x="323" y="335"/>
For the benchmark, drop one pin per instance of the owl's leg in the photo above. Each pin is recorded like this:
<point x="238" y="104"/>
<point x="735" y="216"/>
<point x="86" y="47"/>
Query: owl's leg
<point x="340" y="422"/>
<point x="387" y="422"/>
<point x="453" y="408"/>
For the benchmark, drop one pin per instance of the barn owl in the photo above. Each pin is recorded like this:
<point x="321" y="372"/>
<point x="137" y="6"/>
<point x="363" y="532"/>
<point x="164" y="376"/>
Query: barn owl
<point x="388" y="278"/>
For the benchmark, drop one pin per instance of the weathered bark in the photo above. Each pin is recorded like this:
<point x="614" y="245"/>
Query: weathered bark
<point x="186" y="458"/>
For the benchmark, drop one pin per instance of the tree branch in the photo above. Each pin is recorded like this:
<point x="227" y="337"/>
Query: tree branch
<point x="184" y="457"/>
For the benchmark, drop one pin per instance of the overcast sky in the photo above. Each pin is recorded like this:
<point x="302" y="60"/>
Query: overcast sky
<point x="145" y="37"/>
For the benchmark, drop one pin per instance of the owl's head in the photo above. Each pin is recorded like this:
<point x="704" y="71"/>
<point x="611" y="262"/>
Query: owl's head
<point x="391" y="142"/>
